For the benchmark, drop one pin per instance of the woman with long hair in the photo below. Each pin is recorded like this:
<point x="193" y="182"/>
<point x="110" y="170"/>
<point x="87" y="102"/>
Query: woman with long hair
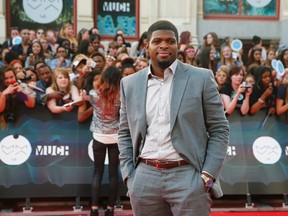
<point x="211" y="40"/>
<point x="282" y="96"/>
<point x="83" y="34"/>
<point x="95" y="40"/>
<point x="105" y="100"/>
<point x="254" y="59"/>
<point x="235" y="94"/>
<point x="17" y="65"/>
<point x="207" y="59"/>
<point x="190" y="55"/>
<point x="85" y="110"/>
<point x="264" y="93"/>
<point x="185" y="40"/>
<point x="12" y="95"/>
<point x="67" y="32"/>
<point x="61" y="83"/>
<point x="283" y="57"/>
<point x="37" y="54"/>
<point x="119" y="38"/>
<point x="139" y="50"/>
<point x="85" y="47"/>
<point x="47" y="49"/>
<point x="271" y="54"/>
<point x="226" y="57"/>
<point x="221" y="76"/>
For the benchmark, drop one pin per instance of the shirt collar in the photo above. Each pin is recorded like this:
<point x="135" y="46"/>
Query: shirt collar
<point x="172" y="68"/>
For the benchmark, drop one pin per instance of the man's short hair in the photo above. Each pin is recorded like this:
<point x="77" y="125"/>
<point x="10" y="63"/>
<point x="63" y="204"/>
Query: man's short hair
<point x="10" y="56"/>
<point x="43" y="66"/>
<point x="256" y="39"/>
<point x="162" y="25"/>
<point x="60" y="47"/>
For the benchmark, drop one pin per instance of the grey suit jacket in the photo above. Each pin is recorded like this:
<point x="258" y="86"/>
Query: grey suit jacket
<point x="199" y="128"/>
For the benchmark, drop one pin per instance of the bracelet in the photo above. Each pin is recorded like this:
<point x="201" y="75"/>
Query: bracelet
<point x="261" y="101"/>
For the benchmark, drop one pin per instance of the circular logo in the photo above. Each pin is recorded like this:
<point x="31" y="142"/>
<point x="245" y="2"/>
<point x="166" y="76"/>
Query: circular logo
<point x="259" y="3"/>
<point x="43" y="11"/>
<point x="274" y="64"/>
<point x="267" y="150"/>
<point x="90" y="152"/>
<point x="17" y="40"/>
<point x="280" y="68"/>
<point x="236" y="45"/>
<point x="15" y="150"/>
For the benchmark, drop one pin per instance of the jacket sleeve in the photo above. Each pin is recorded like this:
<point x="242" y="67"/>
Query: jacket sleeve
<point x="217" y="127"/>
<point x="125" y="141"/>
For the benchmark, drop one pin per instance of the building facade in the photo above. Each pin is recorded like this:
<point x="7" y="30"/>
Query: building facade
<point x="188" y="15"/>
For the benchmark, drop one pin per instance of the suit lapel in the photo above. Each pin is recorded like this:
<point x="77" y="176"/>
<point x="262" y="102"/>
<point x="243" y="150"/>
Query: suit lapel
<point x="179" y="85"/>
<point x="141" y="98"/>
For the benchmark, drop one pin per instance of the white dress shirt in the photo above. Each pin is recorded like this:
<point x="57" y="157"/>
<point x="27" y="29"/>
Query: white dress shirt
<point x="158" y="143"/>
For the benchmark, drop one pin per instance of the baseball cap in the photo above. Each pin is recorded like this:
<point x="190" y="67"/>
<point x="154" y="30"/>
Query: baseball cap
<point x="79" y="58"/>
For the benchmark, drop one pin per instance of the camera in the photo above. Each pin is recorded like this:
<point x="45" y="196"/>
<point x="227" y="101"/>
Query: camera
<point x="26" y="78"/>
<point x="246" y="86"/>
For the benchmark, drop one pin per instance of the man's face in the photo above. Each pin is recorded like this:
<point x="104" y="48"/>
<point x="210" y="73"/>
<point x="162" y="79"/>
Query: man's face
<point x="32" y="35"/>
<point x="61" y="52"/>
<point x="14" y="33"/>
<point x="100" y="63"/>
<point x="25" y="35"/>
<point x="45" y="74"/>
<point x="163" y="48"/>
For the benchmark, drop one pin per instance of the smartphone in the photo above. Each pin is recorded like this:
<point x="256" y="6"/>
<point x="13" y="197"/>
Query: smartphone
<point x="92" y="64"/>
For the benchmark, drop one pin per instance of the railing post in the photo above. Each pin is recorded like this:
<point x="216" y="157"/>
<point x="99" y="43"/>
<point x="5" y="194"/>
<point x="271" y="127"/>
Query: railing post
<point x="285" y="203"/>
<point x="77" y="207"/>
<point x="27" y="208"/>
<point x="249" y="203"/>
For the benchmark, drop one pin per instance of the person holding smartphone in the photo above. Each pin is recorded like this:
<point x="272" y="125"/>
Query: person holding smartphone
<point x="12" y="97"/>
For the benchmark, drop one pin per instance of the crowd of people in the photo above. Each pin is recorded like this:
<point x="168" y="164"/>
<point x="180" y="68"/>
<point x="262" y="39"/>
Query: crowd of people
<point x="246" y="86"/>
<point x="65" y="70"/>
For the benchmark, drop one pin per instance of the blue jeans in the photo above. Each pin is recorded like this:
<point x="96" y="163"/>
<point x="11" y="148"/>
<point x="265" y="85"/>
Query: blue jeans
<point x="99" y="152"/>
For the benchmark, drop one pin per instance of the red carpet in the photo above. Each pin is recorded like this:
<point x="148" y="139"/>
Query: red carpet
<point x="129" y="213"/>
<point x="249" y="214"/>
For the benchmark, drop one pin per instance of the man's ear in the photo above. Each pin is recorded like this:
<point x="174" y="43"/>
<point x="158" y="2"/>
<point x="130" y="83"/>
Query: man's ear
<point x="147" y="45"/>
<point x="178" y="45"/>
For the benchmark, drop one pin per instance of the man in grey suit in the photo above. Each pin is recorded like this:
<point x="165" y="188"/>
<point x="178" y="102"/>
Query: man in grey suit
<point x="173" y="132"/>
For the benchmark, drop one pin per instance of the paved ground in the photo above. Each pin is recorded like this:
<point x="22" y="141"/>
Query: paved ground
<point x="60" y="206"/>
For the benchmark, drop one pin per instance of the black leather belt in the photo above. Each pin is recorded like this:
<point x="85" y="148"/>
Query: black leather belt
<point x="163" y="164"/>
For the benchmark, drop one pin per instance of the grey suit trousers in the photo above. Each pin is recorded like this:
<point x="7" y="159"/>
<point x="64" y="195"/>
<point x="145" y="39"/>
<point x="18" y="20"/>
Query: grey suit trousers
<point x="178" y="191"/>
